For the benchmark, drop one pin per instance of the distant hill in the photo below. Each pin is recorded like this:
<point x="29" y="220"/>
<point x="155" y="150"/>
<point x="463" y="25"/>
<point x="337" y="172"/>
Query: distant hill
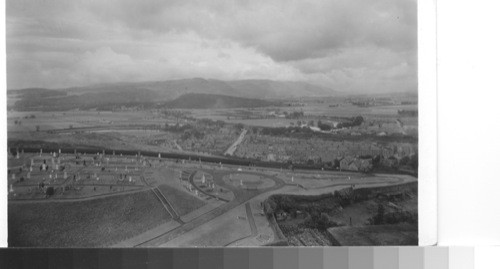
<point x="210" y="101"/>
<point x="34" y="101"/>
<point x="156" y="92"/>
<point x="171" y="89"/>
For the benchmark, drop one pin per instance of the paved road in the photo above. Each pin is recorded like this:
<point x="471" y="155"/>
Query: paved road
<point x="251" y="220"/>
<point x="66" y="200"/>
<point x="234" y="146"/>
<point x="240" y="197"/>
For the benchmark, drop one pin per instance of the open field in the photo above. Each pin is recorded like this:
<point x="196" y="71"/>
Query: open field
<point x="93" y="223"/>
<point x="182" y="202"/>
<point x="78" y="119"/>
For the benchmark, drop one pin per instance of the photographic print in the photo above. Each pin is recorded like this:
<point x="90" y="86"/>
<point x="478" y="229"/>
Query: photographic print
<point x="212" y="123"/>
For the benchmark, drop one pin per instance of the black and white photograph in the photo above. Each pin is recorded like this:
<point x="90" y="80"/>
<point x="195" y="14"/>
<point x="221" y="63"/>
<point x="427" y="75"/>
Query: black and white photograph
<point x="212" y="123"/>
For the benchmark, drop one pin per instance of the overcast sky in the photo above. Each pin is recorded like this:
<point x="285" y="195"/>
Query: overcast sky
<point x="348" y="45"/>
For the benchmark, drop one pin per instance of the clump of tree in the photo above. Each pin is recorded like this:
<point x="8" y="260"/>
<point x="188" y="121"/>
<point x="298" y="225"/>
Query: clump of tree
<point x="356" y="121"/>
<point x="393" y="217"/>
<point x="411" y="161"/>
<point x="324" y="126"/>
<point x="192" y="133"/>
<point x="318" y="220"/>
<point x="294" y="115"/>
<point x="32" y="116"/>
<point x="50" y="191"/>
<point x="379" y="217"/>
<point x="409" y="113"/>
<point x="177" y="128"/>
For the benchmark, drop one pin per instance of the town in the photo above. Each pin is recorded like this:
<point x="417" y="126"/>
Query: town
<point x="225" y="176"/>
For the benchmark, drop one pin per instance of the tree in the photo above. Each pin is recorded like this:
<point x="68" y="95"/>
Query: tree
<point x="358" y="120"/>
<point x="414" y="161"/>
<point x="50" y="191"/>
<point x="239" y="126"/>
<point x="323" y="126"/>
<point x="379" y="218"/>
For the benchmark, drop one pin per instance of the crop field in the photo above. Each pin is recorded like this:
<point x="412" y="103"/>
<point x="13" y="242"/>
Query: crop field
<point x="93" y="223"/>
<point x="310" y="109"/>
<point x="63" y="120"/>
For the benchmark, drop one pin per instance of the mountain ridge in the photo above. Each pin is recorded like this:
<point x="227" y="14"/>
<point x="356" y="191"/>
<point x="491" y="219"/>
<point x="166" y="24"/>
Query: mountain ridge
<point x="248" y="88"/>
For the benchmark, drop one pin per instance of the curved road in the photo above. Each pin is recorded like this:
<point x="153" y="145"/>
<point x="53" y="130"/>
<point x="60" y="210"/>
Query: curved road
<point x="240" y="197"/>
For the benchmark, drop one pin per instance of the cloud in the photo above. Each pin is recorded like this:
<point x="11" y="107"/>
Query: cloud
<point x="349" y="44"/>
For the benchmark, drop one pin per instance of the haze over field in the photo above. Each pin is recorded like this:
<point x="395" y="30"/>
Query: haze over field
<point x="344" y="46"/>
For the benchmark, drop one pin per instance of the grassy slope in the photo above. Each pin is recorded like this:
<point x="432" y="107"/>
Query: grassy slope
<point x="91" y="223"/>
<point x="182" y="202"/>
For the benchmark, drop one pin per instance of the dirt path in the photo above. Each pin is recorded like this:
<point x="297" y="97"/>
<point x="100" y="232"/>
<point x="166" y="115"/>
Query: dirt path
<point x="401" y="126"/>
<point x="177" y="145"/>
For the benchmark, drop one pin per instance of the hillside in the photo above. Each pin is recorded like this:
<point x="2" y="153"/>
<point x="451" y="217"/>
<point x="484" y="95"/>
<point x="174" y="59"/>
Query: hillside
<point x="34" y="101"/>
<point x="217" y="93"/>
<point x="210" y="101"/>
<point x="171" y="89"/>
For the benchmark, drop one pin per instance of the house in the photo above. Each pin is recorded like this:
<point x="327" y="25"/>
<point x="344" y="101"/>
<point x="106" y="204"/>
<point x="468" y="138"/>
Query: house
<point x="365" y="165"/>
<point x="389" y="162"/>
<point x="345" y="162"/>
<point x="353" y="166"/>
<point x="356" y="164"/>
